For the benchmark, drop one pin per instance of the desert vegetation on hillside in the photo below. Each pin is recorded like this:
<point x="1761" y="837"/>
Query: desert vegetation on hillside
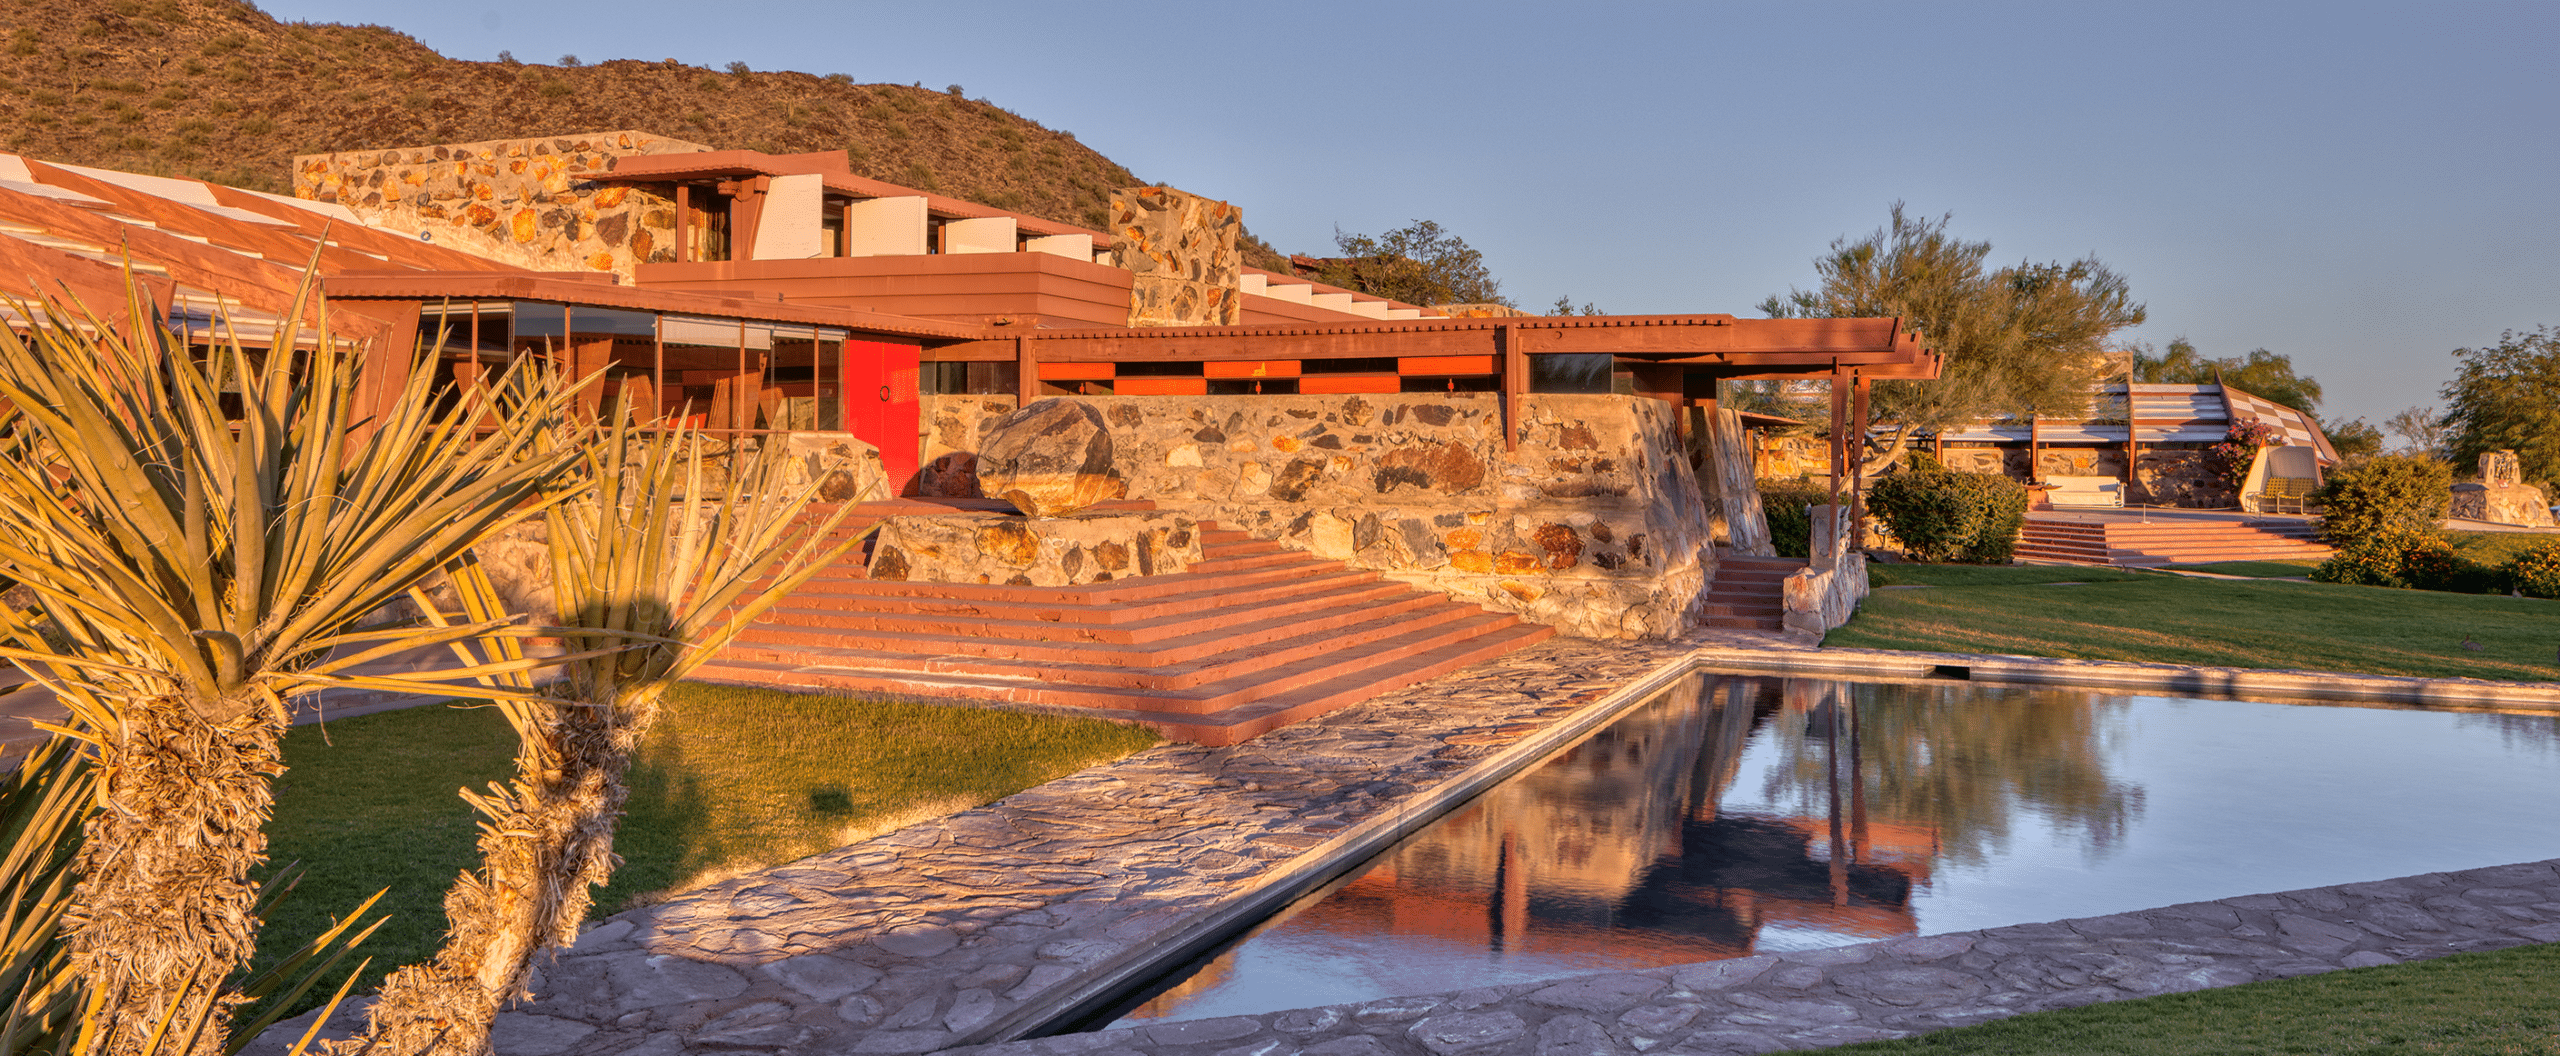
<point x="218" y="90"/>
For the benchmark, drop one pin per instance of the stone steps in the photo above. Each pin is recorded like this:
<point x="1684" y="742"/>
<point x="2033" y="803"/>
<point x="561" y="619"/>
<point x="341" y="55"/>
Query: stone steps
<point x="2153" y="545"/>
<point x="1252" y="637"/>
<point x="1746" y="593"/>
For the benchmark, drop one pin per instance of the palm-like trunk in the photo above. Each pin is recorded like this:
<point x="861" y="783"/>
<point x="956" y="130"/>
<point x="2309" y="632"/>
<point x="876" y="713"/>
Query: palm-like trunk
<point x="163" y="910"/>
<point x="203" y="538"/>
<point x="546" y="842"/>
<point x="652" y="572"/>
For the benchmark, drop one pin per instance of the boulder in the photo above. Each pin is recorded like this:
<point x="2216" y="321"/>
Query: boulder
<point x="1050" y="458"/>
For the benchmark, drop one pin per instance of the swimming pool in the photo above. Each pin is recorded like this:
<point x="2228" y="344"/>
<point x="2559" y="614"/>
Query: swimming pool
<point x="1741" y="814"/>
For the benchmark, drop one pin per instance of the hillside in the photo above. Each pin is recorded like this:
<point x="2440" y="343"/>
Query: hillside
<point x="218" y="90"/>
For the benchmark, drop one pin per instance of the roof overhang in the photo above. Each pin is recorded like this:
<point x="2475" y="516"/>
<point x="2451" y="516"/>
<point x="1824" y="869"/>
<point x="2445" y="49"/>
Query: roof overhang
<point x="833" y="171"/>
<point x="1712" y="345"/>
<point x="574" y="289"/>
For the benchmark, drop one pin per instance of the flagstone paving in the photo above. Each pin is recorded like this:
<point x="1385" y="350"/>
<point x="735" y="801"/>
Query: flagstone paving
<point x="1898" y="987"/>
<point x="975" y="927"/>
<point x="933" y="936"/>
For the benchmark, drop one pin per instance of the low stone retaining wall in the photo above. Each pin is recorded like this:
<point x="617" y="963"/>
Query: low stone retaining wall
<point x="1593" y="525"/>
<point x="1094" y="546"/>
<point x="1826" y="592"/>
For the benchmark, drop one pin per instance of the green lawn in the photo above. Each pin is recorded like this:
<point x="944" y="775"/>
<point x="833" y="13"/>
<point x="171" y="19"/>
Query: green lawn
<point x="2254" y="569"/>
<point x="2507" y="1001"/>
<point x="2176" y="619"/>
<point x="2497" y="548"/>
<point x="731" y="780"/>
<point x="1883" y="575"/>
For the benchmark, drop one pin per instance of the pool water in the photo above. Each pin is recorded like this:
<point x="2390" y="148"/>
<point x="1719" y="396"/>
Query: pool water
<point x="1735" y="815"/>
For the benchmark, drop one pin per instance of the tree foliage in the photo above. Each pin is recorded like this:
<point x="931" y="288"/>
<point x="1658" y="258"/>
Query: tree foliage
<point x="2398" y="492"/>
<point x="2421" y="431"/>
<point x="2507" y="397"/>
<point x="1420" y="263"/>
<point x="2028" y="338"/>
<point x="2266" y="375"/>
<point x="1944" y="516"/>
<point x="2354" y="438"/>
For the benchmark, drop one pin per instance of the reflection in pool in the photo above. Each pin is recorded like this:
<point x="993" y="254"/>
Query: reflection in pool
<point x="1744" y="814"/>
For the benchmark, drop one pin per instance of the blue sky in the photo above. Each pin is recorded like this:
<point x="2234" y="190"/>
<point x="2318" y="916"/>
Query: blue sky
<point x="2363" y="187"/>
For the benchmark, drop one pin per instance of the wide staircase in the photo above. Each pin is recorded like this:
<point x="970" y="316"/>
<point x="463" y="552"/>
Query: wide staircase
<point x="2184" y="542"/>
<point x="1746" y="594"/>
<point x="1251" y="638"/>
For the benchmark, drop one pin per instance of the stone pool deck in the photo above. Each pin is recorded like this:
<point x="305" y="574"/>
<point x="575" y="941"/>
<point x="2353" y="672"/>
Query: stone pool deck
<point x="979" y="927"/>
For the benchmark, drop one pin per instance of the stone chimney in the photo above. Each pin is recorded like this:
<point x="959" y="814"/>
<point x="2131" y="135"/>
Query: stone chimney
<point x="1180" y="250"/>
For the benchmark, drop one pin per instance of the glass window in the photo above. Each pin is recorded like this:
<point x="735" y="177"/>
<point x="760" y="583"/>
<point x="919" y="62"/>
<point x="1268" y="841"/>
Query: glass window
<point x="1572" y="372"/>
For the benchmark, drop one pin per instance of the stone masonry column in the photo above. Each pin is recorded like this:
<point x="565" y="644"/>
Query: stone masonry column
<point x="1180" y="249"/>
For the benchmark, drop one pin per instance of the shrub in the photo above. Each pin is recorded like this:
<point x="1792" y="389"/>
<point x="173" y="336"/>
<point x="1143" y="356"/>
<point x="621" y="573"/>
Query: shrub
<point x="2397" y="555"/>
<point x="1783" y="503"/>
<point x="2536" y="572"/>
<point x="1940" y="517"/>
<point x="2407" y="491"/>
<point x="2231" y="460"/>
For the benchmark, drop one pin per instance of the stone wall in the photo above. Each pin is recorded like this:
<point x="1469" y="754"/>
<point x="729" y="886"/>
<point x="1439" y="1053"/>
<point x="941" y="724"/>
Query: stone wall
<point x="2179" y="477"/>
<point x="1826" y="592"/>
<point x="1180" y="249"/>
<point x="1092" y="546"/>
<point x="526" y="202"/>
<point x="1593" y="526"/>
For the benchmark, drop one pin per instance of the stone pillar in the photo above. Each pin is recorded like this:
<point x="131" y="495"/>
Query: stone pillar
<point x="1180" y="250"/>
<point x="2501" y="469"/>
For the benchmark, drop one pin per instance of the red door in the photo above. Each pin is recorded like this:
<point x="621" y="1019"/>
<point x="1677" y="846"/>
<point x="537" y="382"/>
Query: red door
<point x="880" y="402"/>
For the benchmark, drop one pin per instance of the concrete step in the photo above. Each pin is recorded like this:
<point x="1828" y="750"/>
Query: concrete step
<point x="1032" y="683"/>
<point x="1230" y="726"/>
<point x="838" y="607"/>
<point x="1173" y="641"/>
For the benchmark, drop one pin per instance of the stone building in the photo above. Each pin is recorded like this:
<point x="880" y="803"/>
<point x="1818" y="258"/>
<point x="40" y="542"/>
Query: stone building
<point x="1535" y="467"/>
<point x="2150" y="437"/>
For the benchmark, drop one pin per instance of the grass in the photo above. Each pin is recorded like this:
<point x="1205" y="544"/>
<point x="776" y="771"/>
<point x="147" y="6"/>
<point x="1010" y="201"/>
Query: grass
<point x="2254" y="569"/>
<point x="2497" y="548"/>
<point x="1883" y="575"/>
<point x="2172" y="619"/>
<point x="730" y="780"/>
<point x="2506" y="1001"/>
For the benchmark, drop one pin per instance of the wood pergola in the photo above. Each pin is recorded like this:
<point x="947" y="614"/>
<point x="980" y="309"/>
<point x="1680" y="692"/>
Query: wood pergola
<point x="1674" y="358"/>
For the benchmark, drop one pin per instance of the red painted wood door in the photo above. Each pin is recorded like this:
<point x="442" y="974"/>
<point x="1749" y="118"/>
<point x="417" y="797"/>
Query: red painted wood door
<point x="880" y="403"/>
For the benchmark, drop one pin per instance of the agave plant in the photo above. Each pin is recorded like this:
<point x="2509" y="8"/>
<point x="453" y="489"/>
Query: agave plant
<point x="194" y="569"/>
<point x="654" y="570"/>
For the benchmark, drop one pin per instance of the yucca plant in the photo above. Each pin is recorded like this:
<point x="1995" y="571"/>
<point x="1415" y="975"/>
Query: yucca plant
<point x="654" y="570"/>
<point x="193" y="569"/>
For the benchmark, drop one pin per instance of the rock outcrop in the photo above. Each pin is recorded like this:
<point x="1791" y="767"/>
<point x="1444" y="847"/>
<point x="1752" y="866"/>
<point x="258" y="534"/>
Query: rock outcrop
<point x="2501" y="496"/>
<point x="1049" y="459"/>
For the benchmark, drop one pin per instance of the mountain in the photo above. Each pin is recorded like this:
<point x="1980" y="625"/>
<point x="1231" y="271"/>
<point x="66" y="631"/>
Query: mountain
<point x="221" y="91"/>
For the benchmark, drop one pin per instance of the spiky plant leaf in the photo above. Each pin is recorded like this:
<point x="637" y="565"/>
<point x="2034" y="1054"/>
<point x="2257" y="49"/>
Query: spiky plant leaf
<point x="194" y="568"/>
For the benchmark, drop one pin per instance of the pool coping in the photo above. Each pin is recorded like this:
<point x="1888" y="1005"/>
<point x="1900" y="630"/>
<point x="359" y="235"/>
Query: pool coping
<point x="1891" y="988"/>
<point x="2184" y="679"/>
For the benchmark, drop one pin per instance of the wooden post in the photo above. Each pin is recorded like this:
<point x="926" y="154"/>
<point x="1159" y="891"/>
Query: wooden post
<point x="1857" y="462"/>
<point x="1026" y="372"/>
<point x="684" y="223"/>
<point x="1839" y="427"/>
<point x="1515" y="384"/>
